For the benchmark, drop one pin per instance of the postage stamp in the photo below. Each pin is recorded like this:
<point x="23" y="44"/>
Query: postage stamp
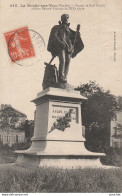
<point x="24" y="46"/>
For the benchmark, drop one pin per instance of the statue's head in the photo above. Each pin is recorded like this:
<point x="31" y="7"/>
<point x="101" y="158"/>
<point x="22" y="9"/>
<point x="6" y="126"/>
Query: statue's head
<point x="65" y="18"/>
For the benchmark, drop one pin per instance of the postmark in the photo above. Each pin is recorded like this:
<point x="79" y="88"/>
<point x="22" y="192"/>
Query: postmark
<point x="25" y="46"/>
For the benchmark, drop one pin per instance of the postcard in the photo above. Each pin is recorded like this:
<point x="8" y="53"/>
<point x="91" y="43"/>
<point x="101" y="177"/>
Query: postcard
<point x="57" y="44"/>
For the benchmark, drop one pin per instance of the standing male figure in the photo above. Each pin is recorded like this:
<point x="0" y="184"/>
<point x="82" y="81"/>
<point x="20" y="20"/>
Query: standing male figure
<point x="64" y="43"/>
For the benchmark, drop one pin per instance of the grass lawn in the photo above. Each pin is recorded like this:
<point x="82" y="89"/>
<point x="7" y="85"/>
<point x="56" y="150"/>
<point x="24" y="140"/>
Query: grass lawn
<point x="19" y="179"/>
<point x="7" y="157"/>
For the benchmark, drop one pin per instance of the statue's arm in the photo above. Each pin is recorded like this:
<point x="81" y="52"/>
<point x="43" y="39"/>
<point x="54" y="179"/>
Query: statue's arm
<point x="55" y="32"/>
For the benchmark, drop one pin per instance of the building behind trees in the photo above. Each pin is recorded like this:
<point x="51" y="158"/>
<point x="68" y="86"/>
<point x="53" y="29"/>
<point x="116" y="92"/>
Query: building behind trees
<point x="11" y="125"/>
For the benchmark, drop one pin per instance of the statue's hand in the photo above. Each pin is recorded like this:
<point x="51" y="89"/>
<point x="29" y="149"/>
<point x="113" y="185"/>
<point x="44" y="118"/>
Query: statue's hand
<point x="63" y="45"/>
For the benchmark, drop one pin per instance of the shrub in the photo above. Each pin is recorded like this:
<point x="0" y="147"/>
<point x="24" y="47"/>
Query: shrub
<point x="113" y="157"/>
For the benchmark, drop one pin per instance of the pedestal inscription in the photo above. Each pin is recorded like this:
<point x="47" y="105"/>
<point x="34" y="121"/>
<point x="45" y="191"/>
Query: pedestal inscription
<point x="60" y="111"/>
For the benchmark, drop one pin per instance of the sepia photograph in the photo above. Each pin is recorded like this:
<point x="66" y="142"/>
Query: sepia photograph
<point x="60" y="97"/>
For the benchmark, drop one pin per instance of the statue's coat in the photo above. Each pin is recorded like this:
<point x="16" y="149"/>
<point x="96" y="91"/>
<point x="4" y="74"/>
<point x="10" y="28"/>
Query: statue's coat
<point x="54" y="45"/>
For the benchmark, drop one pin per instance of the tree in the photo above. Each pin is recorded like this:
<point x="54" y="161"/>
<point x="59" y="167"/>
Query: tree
<point x="119" y="102"/>
<point x="28" y="127"/>
<point x="8" y="118"/>
<point x="97" y="112"/>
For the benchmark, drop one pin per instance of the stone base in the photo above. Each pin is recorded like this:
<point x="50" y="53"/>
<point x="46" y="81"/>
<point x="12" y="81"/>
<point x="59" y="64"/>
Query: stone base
<point x="52" y="146"/>
<point x="62" y="154"/>
<point x="66" y="86"/>
<point x="69" y="162"/>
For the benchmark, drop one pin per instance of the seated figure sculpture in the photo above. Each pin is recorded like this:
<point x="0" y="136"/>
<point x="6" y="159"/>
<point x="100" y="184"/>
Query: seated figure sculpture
<point x="65" y="44"/>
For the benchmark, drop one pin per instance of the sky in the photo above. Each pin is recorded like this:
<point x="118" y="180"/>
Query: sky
<point x="100" y="31"/>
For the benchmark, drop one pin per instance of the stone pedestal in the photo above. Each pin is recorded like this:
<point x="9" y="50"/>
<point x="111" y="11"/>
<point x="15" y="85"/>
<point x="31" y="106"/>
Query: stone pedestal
<point x="54" y="147"/>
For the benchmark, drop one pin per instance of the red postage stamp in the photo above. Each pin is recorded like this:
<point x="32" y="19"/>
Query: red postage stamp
<point x="19" y="44"/>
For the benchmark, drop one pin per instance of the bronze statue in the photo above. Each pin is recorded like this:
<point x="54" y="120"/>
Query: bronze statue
<point x="64" y="43"/>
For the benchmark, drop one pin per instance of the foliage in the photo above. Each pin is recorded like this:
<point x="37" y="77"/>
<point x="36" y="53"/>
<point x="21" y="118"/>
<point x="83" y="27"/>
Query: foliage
<point x="16" y="146"/>
<point x="100" y="106"/>
<point x="113" y="157"/>
<point x="28" y="127"/>
<point x="21" y="146"/>
<point x="9" y="117"/>
<point x="8" y="159"/>
<point x="55" y="180"/>
<point x="1" y="144"/>
<point x="119" y="102"/>
<point x="62" y="122"/>
<point x="7" y="155"/>
<point x="97" y="112"/>
<point x="6" y="113"/>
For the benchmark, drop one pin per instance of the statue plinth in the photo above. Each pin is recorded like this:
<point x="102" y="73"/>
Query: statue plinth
<point x="52" y="146"/>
